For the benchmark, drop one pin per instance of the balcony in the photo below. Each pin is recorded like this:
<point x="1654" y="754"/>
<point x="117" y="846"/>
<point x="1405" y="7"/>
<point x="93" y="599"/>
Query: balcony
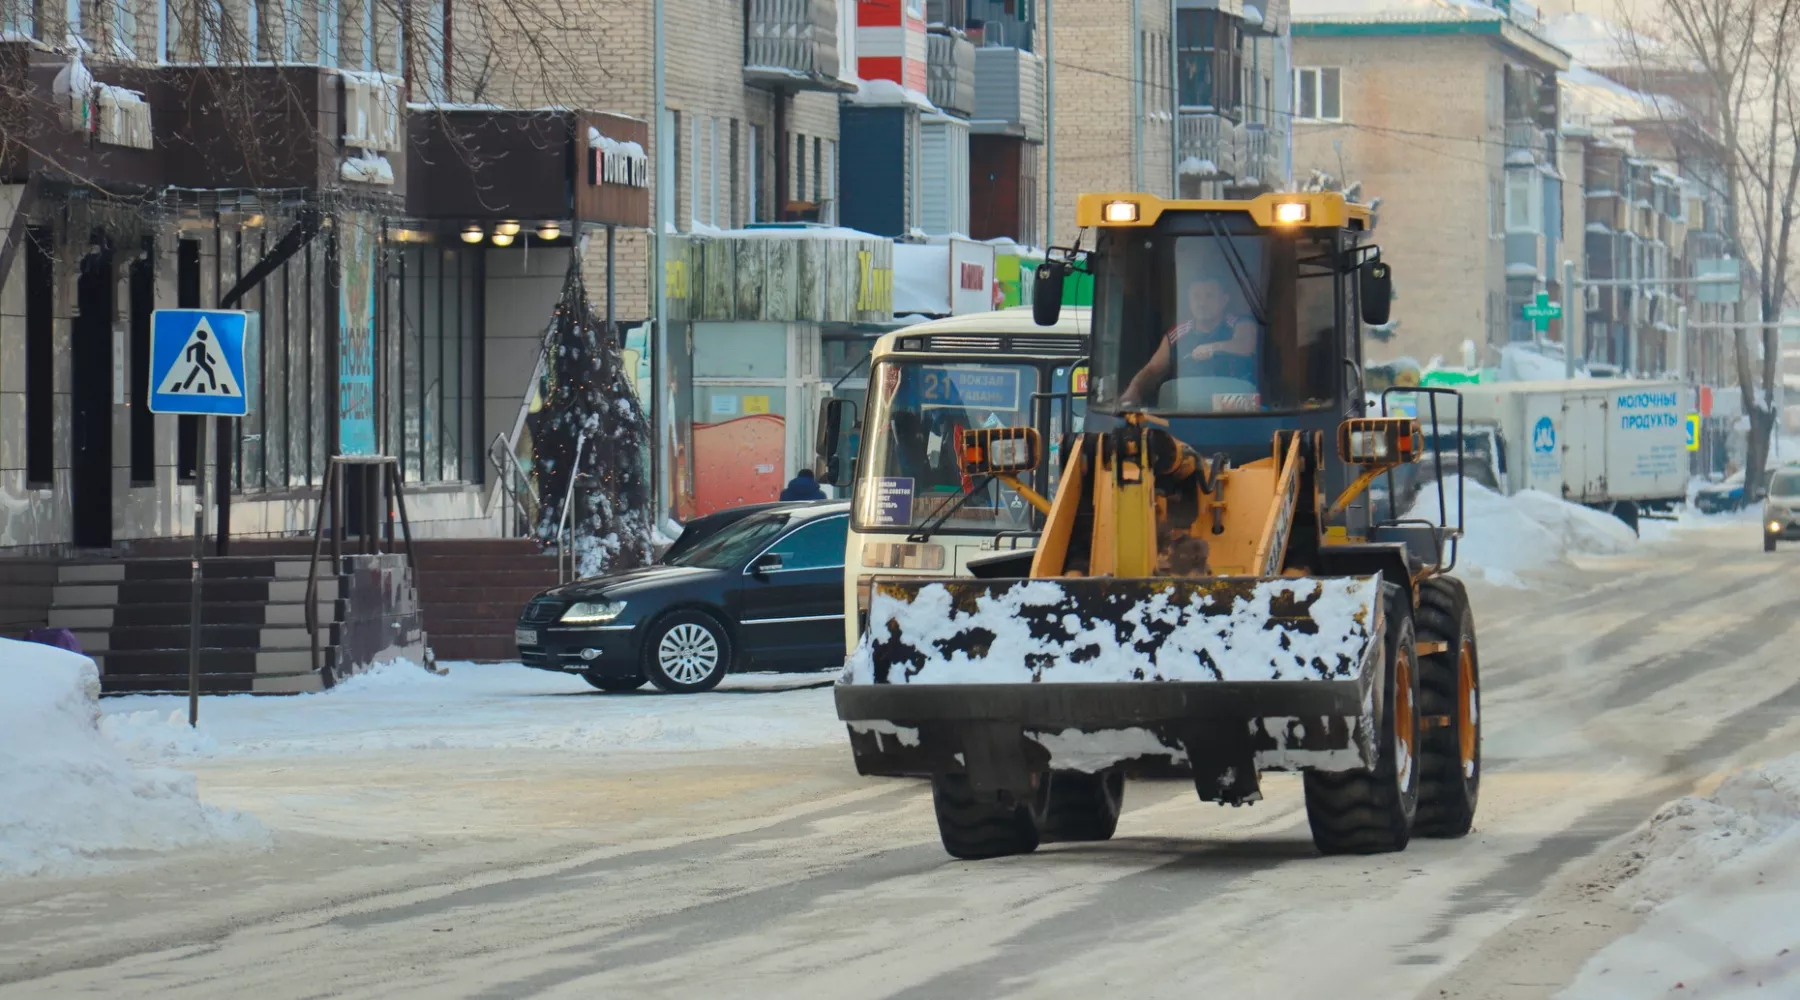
<point x="950" y="71"/>
<point x="1009" y="93"/>
<point x="791" y="45"/>
<point x="1215" y="148"/>
<point x="1527" y="144"/>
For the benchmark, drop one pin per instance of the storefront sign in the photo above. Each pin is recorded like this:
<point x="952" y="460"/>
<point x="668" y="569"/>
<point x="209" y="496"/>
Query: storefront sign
<point x="615" y="188"/>
<point x="971" y="277"/>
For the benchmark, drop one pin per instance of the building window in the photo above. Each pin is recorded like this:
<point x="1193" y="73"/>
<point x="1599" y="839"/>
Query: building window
<point x="755" y="173"/>
<point x="693" y="178"/>
<point x="40" y="358"/>
<point x="1208" y="46"/>
<point x="1317" y="94"/>
<point x="433" y="360"/>
<point x="124" y="28"/>
<point x="17" y="17"/>
<point x="828" y="201"/>
<point x="1522" y="200"/>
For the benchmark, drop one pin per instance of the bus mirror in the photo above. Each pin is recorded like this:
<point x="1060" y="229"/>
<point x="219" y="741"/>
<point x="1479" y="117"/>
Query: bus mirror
<point x="829" y="456"/>
<point x="1047" y="293"/>
<point x="1376" y="290"/>
<point x="1001" y="450"/>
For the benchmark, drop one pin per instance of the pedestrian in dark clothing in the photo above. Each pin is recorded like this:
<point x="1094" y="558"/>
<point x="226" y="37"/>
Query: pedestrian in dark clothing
<point x="803" y="487"/>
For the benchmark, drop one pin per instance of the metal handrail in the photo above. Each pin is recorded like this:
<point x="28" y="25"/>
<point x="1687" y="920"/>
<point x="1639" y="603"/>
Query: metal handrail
<point x="513" y="480"/>
<point x="565" y="532"/>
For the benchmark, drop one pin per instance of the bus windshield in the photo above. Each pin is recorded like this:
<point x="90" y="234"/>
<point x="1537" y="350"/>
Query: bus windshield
<point x="910" y="472"/>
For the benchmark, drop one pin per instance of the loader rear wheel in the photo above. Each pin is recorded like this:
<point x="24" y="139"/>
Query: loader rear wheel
<point x="1082" y="806"/>
<point x="1450" y="704"/>
<point x="1370" y="810"/>
<point x="976" y="825"/>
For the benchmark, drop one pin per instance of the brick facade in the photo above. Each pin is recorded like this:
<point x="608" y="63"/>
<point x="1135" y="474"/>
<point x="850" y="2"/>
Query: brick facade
<point x="1434" y="156"/>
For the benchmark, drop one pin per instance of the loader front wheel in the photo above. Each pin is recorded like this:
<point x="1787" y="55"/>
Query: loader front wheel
<point x="976" y="825"/>
<point x="1450" y="707"/>
<point x="1083" y="806"/>
<point x="1371" y="810"/>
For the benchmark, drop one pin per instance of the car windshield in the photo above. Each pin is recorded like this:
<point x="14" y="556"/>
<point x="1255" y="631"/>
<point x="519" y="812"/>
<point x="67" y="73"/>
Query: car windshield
<point x="1785" y="484"/>
<point x="735" y="543"/>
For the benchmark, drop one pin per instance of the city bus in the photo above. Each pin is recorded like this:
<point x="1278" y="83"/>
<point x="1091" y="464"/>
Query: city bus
<point x="913" y="510"/>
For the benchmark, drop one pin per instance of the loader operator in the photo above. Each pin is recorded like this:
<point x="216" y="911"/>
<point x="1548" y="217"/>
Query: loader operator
<point x="1210" y="343"/>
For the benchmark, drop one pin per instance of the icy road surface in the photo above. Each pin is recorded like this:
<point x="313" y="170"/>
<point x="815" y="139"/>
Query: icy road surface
<point x="528" y="839"/>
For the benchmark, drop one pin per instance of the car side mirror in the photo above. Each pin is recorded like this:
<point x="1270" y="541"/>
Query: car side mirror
<point x="1047" y="293"/>
<point x="768" y="562"/>
<point x="1376" y="290"/>
<point x="830" y="460"/>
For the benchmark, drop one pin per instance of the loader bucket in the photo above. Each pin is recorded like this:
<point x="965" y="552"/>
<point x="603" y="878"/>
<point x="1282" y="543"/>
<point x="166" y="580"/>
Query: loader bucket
<point x="1101" y="630"/>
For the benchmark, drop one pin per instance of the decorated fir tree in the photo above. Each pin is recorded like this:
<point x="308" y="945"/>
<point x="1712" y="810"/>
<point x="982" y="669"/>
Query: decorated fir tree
<point x="589" y="407"/>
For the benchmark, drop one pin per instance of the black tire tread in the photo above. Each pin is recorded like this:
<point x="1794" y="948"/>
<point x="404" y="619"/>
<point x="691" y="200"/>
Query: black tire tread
<point x="1446" y="809"/>
<point x="973" y="827"/>
<point x="1357" y="812"/>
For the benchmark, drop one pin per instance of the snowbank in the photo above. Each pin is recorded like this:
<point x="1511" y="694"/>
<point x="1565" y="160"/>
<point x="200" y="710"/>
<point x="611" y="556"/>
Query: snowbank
<point x="68" y="797"/>
<point x="400" y="707"/>
<point x="1722" y="875"/>
<point x="1530" y="530"/>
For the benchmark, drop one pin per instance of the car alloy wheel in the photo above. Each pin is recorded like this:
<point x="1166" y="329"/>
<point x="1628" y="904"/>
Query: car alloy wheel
<point x="688" y="653"/>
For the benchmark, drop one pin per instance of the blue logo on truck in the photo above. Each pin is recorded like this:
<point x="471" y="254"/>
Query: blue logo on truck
<point x="1543" y="436"/>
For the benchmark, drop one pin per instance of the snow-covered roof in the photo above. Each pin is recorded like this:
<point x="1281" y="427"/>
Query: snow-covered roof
<point x="1594" y="98"/>
<point x="887" y="93"/>
<point x="1395" y="10"/>
<point x="1599" y="42"/>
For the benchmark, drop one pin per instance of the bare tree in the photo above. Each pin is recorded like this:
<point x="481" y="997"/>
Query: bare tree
<point x="1738" y="57"/>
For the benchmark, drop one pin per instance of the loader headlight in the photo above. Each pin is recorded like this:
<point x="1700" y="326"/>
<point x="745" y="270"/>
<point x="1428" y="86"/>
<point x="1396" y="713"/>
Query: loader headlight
<point x="1120" y="211"/>
<point x="592" y="612"/>
<point x="1378" y="440"/>
<point x="1292" y="213"/>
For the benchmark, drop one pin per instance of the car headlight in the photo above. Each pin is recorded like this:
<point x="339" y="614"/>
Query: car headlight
<point x="592" y="613"/>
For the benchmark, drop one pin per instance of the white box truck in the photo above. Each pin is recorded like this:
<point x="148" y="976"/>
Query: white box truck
<point x="1618" y="445"/>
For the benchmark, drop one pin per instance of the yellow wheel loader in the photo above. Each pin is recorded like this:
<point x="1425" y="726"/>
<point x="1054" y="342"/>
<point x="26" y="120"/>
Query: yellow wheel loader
<point x="1216" y="592"/>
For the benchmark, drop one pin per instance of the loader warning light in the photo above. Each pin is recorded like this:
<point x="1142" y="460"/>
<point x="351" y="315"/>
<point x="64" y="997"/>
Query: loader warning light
<point x="1289" y="213"/>
<point x="1120" y="211"/>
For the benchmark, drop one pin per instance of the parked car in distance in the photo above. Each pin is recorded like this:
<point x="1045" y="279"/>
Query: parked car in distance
<point x="1725" y="495"/>
<point x="765" y="592"/>
<point x="1781" y="508"/>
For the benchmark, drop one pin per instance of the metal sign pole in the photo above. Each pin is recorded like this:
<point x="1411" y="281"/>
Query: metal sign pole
<point x="194" y="584"/>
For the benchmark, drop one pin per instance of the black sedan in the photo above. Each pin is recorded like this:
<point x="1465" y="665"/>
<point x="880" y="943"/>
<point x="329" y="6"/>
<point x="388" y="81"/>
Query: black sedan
<point x="765" y="592"/>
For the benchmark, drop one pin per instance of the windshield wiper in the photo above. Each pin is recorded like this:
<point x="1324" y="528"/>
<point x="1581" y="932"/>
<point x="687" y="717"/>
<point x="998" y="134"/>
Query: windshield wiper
<point x="1241" y="272"/>
<point x="923" y="534"/>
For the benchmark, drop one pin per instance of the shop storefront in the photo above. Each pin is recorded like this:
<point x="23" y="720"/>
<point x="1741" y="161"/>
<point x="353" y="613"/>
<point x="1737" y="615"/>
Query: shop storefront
<point x="751" y="314"/>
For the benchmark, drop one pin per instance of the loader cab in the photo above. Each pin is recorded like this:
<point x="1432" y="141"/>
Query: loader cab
<point x="1230" y="320"/>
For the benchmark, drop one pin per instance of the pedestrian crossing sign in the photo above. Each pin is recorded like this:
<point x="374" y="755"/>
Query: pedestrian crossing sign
<point x="197" y="362"/>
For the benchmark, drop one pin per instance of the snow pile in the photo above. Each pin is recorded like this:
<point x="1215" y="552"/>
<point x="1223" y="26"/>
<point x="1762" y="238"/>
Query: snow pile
<point x="399" y="706"/>
<point x="1722" y="874"/>
<point x="1504" y="536"/>
<point x="1042" y="632"/>
<point x="1691" y="837"/>
<point x="68" y="796"/>
<point x="1525" y="363"/>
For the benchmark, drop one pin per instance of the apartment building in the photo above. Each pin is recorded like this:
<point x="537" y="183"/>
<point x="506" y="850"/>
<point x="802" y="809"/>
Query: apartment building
<point x="1449" y="115"/>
